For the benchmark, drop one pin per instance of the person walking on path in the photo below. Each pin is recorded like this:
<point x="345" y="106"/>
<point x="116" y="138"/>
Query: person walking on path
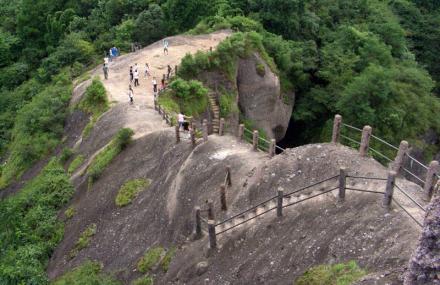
<point x="105" y="69"/>
<point x="110" y="52"/>
<point x="181" y="120"/>
<point x="169" y="69"/>
<point x="147" y="70"/>
<point x="130" y="94"/>
<point x="165" y="47"/>
<point x="136" y="78"/>
<point x="131" y="73"/>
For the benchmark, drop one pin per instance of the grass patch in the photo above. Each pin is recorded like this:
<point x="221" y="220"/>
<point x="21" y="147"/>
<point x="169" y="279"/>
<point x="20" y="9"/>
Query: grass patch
<point x="260" y="69"/>
<point x="29" y="228"/>
<point x="145" y="280"/>
<point x="150" y="259"/>
<point x="66" y="154"/>
<point x="130" y="190"/>
<point x="103" y="159"/>
<point x="84" y="240"/>
<point x="69" y="212"/>
<point x="227" y="103"/>
<point x="165" y="263"/>
<point x="89" y="127"/>
<point x="338" y="274"/>
<point x="75" y="164"/>
<point x="89" y="273"/>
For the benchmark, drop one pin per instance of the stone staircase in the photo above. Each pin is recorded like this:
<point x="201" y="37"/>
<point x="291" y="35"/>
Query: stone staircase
<point x="216" y="110"/>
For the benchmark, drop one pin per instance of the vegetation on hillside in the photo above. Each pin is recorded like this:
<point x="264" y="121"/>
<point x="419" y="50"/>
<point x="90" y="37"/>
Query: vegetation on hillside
<point x="29" y="228"/>
<point x="337" y="274"/>
<point x="89" y="273"/>
<point x="130" y="190"/>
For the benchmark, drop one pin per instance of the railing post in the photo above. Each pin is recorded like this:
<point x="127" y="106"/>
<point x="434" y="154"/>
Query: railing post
<point x="430" y="180"/>
<point x="240" y="132"/>
<point x="205" y="130"/>
<point x="177" y="134"/>
<point x="158" y="109"/>
<point x="336" y="128"/>
<point x="198" y="225"/>
<point x="272" y="148"/>
<point x="210" y="210"/>
<point x="163" y="114"/>
<point x="389" y="190"/>
<point x="222" y="126"/>
<point x="175" y="70"/>
<point x="193" y="137"/>
<point x="223" y="197"/>
<point x="228" y="173"/>
<point x="212" y="235"/>
<point x="342" y="183"/>
<point x="280" y="203"/>
<point x="365" y="142"/>
<point x="155" y="104"/>
<point x="255" y="140"/>
<point x="398" y="161"/>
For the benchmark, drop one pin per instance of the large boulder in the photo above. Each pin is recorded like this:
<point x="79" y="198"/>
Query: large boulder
<point x="260" y="97"/>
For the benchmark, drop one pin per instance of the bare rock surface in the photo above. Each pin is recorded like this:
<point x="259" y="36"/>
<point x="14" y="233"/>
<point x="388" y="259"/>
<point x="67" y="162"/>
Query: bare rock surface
<point x="260" y="97"/>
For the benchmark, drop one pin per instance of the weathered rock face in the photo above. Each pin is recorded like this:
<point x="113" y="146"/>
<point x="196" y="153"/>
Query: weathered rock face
<point x="260" y="98"/>
<point x="424" y="266"/>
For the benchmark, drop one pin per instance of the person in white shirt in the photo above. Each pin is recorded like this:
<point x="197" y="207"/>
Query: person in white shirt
<point x="130" y="93"/>
<point x="147" y="70"/>
<point x="136" y="78"/>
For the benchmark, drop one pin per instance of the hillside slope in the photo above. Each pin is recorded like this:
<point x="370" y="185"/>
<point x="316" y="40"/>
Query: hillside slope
<point x="260" y="252"/>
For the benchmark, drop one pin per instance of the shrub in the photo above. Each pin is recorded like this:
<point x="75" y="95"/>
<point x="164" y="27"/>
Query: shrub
<point x="130" y="190"/>
<point x="165" y="263"/>
<point x="66" y="154"/>
<point x="338" y="274"/>
<point x="89" y="273"/>
<point x="84" y="240"/>
<point x="145" y="280"/>
<point x="95" y="100"/>
<point x="29" y="228"/>
<point x="103" y="159"/>
<point x="77" y="162"/>
<point x="227" y="104"/>
<point x="190" y="96"/>
<point x="150" y="259"/>
<point x="261" y="70"/>
<point x="69" y="212"/>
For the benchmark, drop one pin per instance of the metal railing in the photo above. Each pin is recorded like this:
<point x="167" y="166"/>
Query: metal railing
<point x="268" y="205"/>
<point x="396" y="158"/>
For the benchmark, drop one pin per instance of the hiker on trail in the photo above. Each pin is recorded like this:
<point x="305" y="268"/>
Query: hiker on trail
<point x="169" y="69"/>
<point x="130" y="94"/>
<point x="136" y="78"/>
<point x="181" y="119"/>
<point x="135" y="67"/>
<point x="110" y="52"/>
<point x="147" y="70"/>
<point x="131" y="73"/>
<point x="105" y="69"/>
<point x="106" y="60"/>
<point x="154" y="81"/>
<point x="165" y="46"/>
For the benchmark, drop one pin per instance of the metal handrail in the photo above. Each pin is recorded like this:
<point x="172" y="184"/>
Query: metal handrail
<point x="310" y="197"/>
<point x="409" y="197"/>
<point x="380" y="154"/>
<point x="418" y="162"/>
<point x="310" y="186"/>
<point x="368" y="178"/>
<point x="408" y="213"/>
<point x="413" y="175"/>
<point x="350" y="139"/>
<point x="385" y="142"/>
<point x="364" y="190"/>
<point x="351" y="127"/>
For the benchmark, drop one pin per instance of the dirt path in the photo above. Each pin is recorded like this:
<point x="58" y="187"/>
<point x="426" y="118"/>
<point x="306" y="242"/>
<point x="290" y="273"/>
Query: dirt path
<point x="118" y="82"/>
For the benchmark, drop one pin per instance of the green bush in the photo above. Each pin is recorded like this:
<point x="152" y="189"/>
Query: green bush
<point x="190" y="96"/>
<point x="150" y="259"/>
<point x="145" y="280"/>
<point x="165" y="263"/>
<point x="103" y="159"/>
<point x="29" y="228"/>
<point x="66" y="154"/>
<point x="338" y="274"/>
<point x="227" y="104"/>
<point x="95" y="100"/>
<point x="261" y="70"/>
<point x="130" y="190"/>
<point x="77" y="162"/>
<point x="69" y="212"/>
<point x="89" y="273"/>
<point x="83" y="240"/>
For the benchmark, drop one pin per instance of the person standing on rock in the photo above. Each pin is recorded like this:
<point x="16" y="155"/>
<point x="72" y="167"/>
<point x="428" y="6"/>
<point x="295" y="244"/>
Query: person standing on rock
<point x="136" y="78"/>
<point x="131" y="73"/>
<point x="154" y="86"/>
<point x="169" y="69"/>
<point x="105" y="69"/>
<point x="147" y="70"/>
<point x="165" y="47"/>
<point x="130" y="94"/>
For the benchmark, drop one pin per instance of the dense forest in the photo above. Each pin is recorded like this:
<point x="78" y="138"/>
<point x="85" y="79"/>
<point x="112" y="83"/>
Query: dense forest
<point x="375" y="62"/>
